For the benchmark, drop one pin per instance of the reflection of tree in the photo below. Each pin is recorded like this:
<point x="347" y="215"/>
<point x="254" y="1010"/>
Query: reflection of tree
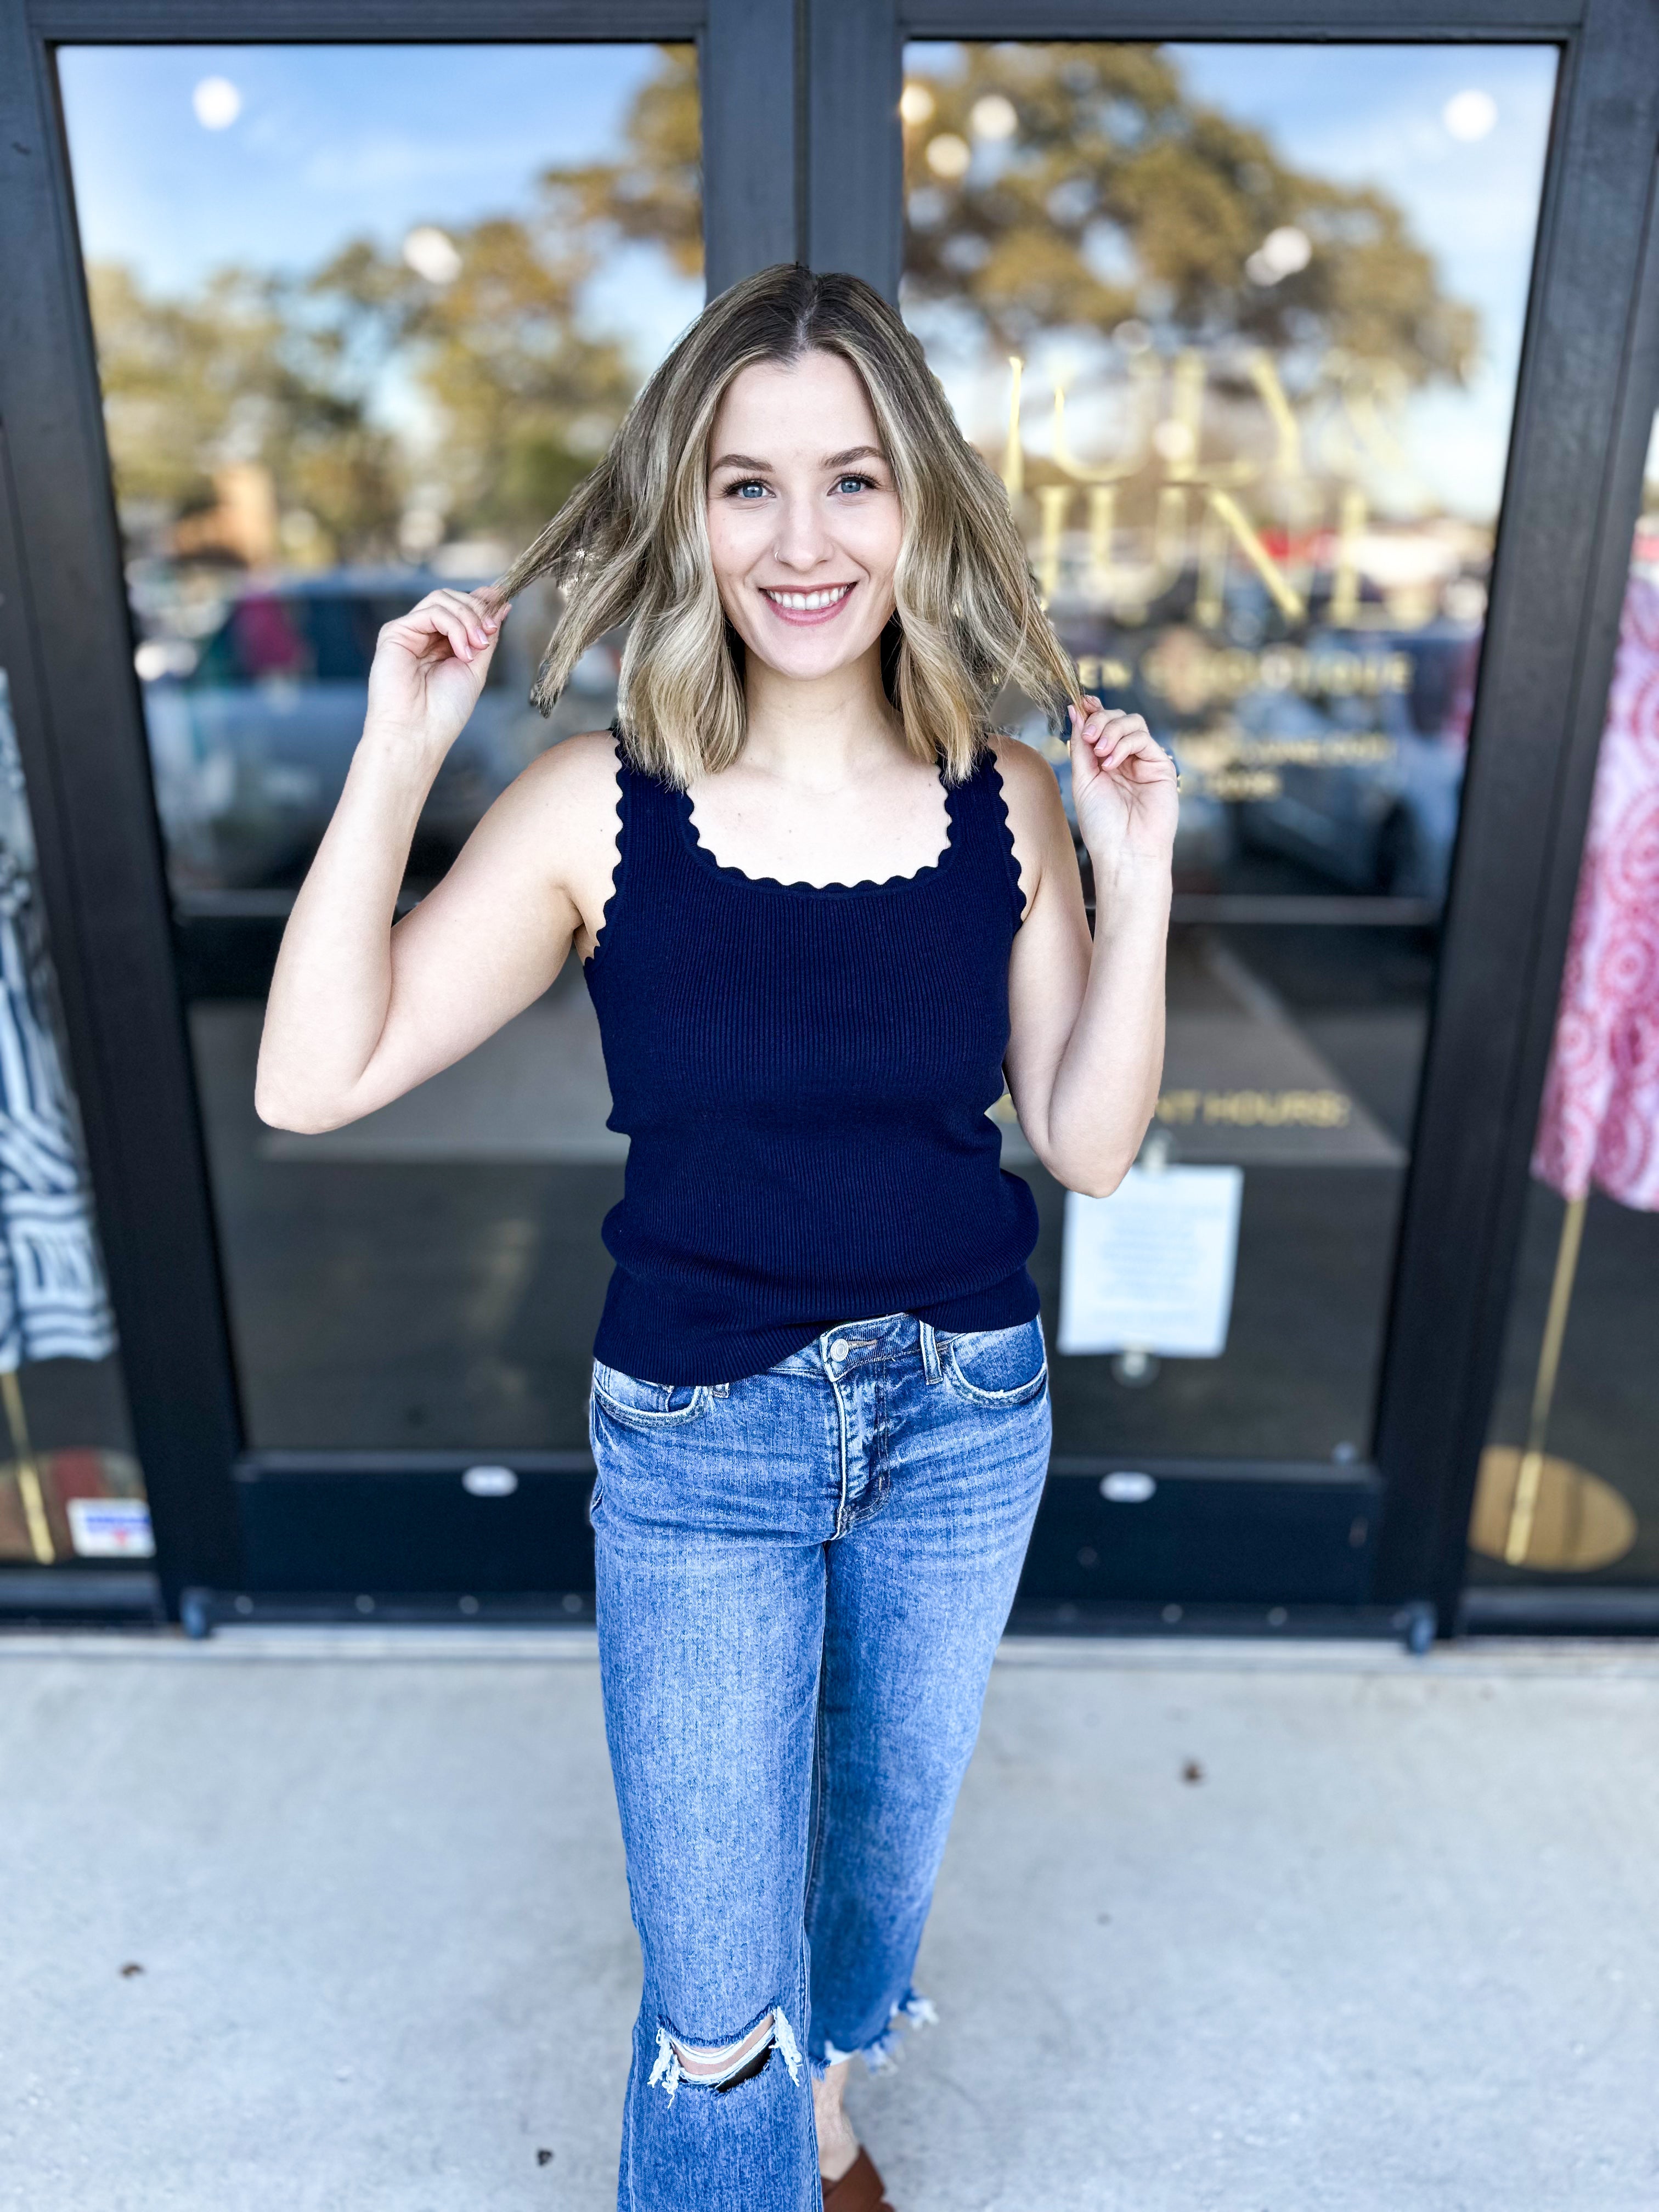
<point x="290" y="374"/>
<point x="192" y="387"/>
<point x="1113" y="196"/>
<point x="521" y="398"/>
<point x="654" y="192"/>
<point x="1108" y="193"/>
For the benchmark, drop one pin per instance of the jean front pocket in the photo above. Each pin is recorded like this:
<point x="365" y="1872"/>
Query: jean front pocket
<point x="649" y="1406"/>
<point x="998" y="1366"/>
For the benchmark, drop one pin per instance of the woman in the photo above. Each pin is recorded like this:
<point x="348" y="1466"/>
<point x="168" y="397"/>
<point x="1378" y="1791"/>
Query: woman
<point x="821" y="907"/>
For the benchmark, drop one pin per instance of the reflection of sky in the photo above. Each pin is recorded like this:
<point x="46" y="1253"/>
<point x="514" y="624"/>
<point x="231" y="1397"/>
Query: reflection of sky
<point x="1372" y="115"/>
<point x="335" y="141"/>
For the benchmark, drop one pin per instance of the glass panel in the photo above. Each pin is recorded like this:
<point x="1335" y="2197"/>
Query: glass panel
<point x="364" y="315"/>
<point x="70" y="1486"/>
<point x="1239" y="325"/>
<point x="1569" y="1487"/>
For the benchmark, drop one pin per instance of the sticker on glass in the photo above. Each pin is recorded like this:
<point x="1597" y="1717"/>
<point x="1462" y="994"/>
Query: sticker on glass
<point x="1151" y="1268"/>
<point x="111" y="1528"/>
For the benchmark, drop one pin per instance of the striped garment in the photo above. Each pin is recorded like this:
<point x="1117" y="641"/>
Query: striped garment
<point x="53" y="1302"/>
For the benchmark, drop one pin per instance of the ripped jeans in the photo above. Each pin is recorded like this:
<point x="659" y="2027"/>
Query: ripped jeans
<point x="802" y="1579"/>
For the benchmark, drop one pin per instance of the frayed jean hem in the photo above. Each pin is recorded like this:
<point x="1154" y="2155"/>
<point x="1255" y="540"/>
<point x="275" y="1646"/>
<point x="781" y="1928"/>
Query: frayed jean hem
<point x="884" y="2050"/>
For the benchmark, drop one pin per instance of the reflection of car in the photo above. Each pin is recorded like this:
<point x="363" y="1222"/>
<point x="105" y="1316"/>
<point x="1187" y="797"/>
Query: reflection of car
<point x="1337" y="749"/>
<point x="1383" y="826"/>
<point x="250" y="733"/>
<point x="1204" y="839"/>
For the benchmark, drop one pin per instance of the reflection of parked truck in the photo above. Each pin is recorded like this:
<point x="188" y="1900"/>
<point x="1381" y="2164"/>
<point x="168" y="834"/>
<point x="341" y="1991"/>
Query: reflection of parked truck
<point x="251" y="730"/>
<point x="1384" y="827"/>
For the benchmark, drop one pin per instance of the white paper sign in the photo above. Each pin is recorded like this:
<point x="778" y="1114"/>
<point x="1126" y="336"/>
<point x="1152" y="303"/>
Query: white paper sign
<point x="1150" y="1267"/>
<point x="111" y="1528"/>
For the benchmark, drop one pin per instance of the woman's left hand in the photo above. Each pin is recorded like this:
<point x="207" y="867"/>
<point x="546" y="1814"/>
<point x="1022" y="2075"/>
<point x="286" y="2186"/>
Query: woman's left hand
<point x="1123" y="786"/>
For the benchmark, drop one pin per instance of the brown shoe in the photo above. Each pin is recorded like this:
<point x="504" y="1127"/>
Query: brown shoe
<point x="860" y="2189"/>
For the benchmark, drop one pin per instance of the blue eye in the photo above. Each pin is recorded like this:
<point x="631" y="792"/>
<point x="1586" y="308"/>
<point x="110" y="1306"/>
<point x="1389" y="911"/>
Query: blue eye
<point x="855" y="483"/>
<point x="742" y="490"/>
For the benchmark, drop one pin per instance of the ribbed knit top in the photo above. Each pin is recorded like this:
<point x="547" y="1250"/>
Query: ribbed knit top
<point x="804" y="1073"/>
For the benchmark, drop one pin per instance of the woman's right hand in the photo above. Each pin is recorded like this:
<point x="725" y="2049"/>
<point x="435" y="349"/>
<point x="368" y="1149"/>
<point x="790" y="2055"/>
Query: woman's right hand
<point x="429" y="667"/>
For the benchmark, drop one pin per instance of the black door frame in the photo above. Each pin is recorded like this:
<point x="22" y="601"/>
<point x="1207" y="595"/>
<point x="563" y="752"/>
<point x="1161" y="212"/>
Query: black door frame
<point x="802" y="153"/>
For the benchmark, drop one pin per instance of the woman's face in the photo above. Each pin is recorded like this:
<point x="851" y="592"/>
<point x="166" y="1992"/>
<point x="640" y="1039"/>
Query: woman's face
<point x="803" y="517"/>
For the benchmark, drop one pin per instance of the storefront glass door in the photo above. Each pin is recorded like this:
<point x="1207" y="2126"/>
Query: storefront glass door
<point x="363" y="316"/>
<point x="1240" y="326"/>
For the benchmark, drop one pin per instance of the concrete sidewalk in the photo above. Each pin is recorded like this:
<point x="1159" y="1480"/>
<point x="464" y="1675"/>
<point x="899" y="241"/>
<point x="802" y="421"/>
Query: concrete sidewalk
<point x="305" y="1922"/>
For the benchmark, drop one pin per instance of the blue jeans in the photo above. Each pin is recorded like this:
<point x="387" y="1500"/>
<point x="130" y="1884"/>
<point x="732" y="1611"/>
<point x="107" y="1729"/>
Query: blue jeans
<point x="802" y="1579"/>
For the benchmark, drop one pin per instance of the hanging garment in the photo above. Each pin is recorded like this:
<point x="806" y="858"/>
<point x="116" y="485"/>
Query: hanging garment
<point x="1600" y="1120"/>
<point x="53" y="1303"/>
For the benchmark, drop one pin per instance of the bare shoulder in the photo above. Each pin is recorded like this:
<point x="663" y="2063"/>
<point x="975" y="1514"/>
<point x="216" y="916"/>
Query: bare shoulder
<point x="555" y="826"/>
<point x="1030" y="791"/>
<point x="579" y="772"/>
<point x="1026" y="776"/>
<point x="563" y="806"/>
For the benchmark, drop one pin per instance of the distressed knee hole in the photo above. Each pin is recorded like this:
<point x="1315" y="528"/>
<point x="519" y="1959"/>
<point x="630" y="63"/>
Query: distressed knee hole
<point x="725" y="2064"/>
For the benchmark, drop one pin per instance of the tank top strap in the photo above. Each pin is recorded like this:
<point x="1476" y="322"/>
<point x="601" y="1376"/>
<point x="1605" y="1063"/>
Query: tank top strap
<point x="650" y="852"/>
<point x="981" y="814"/>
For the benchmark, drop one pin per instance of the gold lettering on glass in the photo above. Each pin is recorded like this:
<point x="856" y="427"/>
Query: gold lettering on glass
<point x="1163" y="505"/>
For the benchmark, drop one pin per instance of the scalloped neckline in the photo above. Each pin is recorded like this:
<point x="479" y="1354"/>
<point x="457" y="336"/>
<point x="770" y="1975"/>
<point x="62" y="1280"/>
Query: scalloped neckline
<point x="701" y="852"/>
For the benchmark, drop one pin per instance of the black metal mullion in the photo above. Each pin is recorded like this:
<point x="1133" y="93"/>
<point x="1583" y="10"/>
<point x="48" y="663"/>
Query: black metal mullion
<point x="357" y="22"/>
<point x="1589" y="384"/>
<point x="748" y="85"/>
<point x="1309" y="21"/>
<point x="855" y="165"/>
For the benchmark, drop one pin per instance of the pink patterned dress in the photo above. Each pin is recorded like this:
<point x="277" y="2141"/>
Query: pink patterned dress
<point x="1600" y="1120"/>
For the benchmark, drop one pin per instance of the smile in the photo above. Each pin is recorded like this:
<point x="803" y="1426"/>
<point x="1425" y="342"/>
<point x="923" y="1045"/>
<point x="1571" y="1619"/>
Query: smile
<point x="807" y="606"/>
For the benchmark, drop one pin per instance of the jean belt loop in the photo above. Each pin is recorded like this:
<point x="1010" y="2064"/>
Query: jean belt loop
<point x="930" y="1366"/>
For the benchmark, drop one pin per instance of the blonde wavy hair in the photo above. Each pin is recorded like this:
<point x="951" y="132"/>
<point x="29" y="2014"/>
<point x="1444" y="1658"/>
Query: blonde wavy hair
<point x="631" y="543"/>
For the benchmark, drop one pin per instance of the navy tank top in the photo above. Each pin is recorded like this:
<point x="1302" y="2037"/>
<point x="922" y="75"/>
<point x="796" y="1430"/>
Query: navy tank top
<point x="803" y="1073"/>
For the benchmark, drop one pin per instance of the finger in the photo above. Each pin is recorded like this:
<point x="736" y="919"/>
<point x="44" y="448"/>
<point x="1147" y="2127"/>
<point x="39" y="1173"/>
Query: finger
<point x="1147" y="763"/>
<point x="1158" y="766"/>
<point x="432" y="618"/>
<point x="1096" y="721"/>
<point x="1090" y="722"/>
<point x="437" y="626"/>
<point x="463" y="641"/>
<point x="487" y="606"/>
<point x="467" y="608"/>
<point x="1116" y="738"/>
<point x="1117" y="718"/>
<point x="486" y="612"/>
<point x="449" y="609"/>
<point x="1130" y="746"/>
<point x="1114" y="749"/>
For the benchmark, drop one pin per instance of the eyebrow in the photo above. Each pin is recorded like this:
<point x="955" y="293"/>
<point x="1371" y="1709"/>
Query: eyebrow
<point x="829" y="461"/>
